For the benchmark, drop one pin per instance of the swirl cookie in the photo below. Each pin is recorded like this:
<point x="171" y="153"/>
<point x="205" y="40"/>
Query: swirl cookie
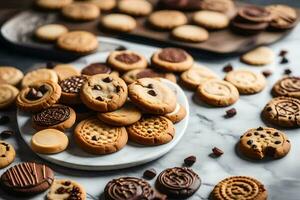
<point x="53" y="4"/>
<point x="63" y="189"/>
<point x="259" y="56"/>
<point x="98" y="68"/>
<point x="104" y="5"/>
<point x="10" y="75"/>
<point x="8" y="95"/>
<point x="283" y="111"/>
<point x="7" y="154"/>
<point x="218" y="93"/>
<point x="172" y="60"/>
<point x="283" y="17"/>
<point x="190" y="33"/>
<point x="239" y="187"/>
<point x="179" y="182"/>
<point x="39" y="75"/>
<point x="81" y="11"/>
<point x="65" y="71"/>
<point x="151" y="131"/>
<point x="287" y="86"/>
<point x="38" y="96"/>
<point x="152" y="96"/>
<point x="95" y="137"/>
<point x="50" y="32"/>
<point x="135" y="7"/>
<point x="177" y="115"/>
<point x="104" y="93"/>
<point x="172" y="19"/>
<point x="211" y="19"/>
<point x="118" y="22"/>
<point x="27" y="178"/>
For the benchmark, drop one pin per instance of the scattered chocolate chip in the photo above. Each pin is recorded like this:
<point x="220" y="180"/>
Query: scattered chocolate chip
<point x="152" y="92"/>
<point x="149" y="174"/>
<point x="217" y="152"/>
<point x="283" y="53"/>
<point x="107" y="80"/>
<point x="267" y="73"/>
<point x="189" y="161"/>
<point x="118" y="88"/>
<point x="260" y="128"/>
<point x="43" y="89"/>
<point x="94" y="138"/>
<point x="277" y="142"/>
<point x="227" y="68"/>
<point x="4" y="120"/>
<point x="230" y="113"/>
<point x="6" y="133"/>
<point x="99" y="98"/>
<point x="50" y="65"/>
<point x="284" y="60"/>
<point x="97" y="87"/>
<point x="249" y="142"/>
<point x="287" y="71"/>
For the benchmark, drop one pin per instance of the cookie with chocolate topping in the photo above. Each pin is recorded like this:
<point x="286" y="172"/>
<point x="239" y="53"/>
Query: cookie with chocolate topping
<point x="98" y="68"/>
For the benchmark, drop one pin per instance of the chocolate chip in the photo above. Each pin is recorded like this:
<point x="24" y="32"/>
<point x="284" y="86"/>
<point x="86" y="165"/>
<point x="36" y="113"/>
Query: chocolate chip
<point x="284" y="60"/>
<point x="149" y="174"/>
<point x="288" y="141"/>
<point x="94" y="138"/>
<point x="43" y="89"/>
<point x="230" y="113"/>
<point x="7" y="148"/>
<point x="249" y="142"/>
<point x="262" y="136"/>
<point x="277" y="142"/>
<point x="189" y="161"/>
<point x="4" y="120"/>
<point x="118" y="88"/>
<point x="150" y="86"/>
<point x="50" y="65"/>
<point x="254" y="146"/>
<point x="287" y="71"/>
<point x="107" y="80"/>
<point x="260" y="128"/>
<point x="60" y="190"/>
<point x="217" y="152"/>
<point x="249" y="134"/>
<point x="152" y="92"/>
<point x="31" y="95"/>
<point x="228" y="68"/>
<point x="267" y="73"/>
<point x="283" y="53"/>
<point x="6" y="133"/>
<point x="67" y="183"/>
<point x="99" y="98"/>
<point x="3" y="155"/>
<point x="97" y="87"/>
<point x="256" y="133"/>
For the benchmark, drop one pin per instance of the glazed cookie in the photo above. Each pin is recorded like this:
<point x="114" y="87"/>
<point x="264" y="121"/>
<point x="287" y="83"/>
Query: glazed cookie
<point x="118" y="22"/>
<point x="50" y="32"/>
<point x="7" y="154"/>
<point x="177" y="115"/>
<point x="10" y="75"/>
<point x="126" y="60"/>
<point x="190" y="33"/>
<point x="151" y="131"/>
<point x="211" y="19"/>
<point x="104" y="93"/>
<point x="58" y="117"/>
<point x="124" y="116"/>
<point x="27" y="178"/>
<point x="8" y="95"/>
<point x="39" y="75"/>
<point x="38" y="96"/>
<point x="239" y="187"/>
<point x="287" y="86"/>
<point x="172" y="60"/>
<point x="178" y="182"/>
<point x="283" y="111"/>
<point x="223" y="6"/>
<point x="81" y="11"/>
<point x="196" y="75"/>
<point x="172" y="19"/>
<point x="218" y="93"/>
<point x="152" y="96"/>
<point x="135" y="7"/>
<point x="65" y="71"/>
<point x="81" y="42"/>
<point x="53" y="4"/>
<point x="70" y="89"/>
<point x="63" y="189"/>
<point x="259" y="56"/>
<point x="104" y="5"/>
<point x="98" y="68"/>
<point x="246" y="81"/>
<point x="95" y="137"/>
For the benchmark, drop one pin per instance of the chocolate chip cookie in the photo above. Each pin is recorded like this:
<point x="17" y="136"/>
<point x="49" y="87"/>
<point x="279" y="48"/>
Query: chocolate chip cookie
<point x="7" y="154"/>
<point x="66" y="189"/>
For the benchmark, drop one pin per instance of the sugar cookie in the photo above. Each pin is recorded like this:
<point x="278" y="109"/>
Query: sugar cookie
<point x="39" y="75"/>
<point x="50" y="32"/>
<point x="211" y="19"/>
<point x="10" y="75"/>
<point x="119" y="22"/>
<point x="8" y="95"/>
<point x="259" y="56"/>
<point x="190" y="33"/>
<point x="172" y="19"/>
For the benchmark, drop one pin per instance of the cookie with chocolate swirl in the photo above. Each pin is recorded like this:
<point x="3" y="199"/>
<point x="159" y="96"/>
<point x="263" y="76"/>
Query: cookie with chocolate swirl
<point x="287" y="86"/>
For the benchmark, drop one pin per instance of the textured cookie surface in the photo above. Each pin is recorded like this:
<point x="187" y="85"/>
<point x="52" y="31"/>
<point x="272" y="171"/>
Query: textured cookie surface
<point x="8" y="94"/>
<point x="50" y="32"/>
<point x="211" y="19"/>
<point x="287" y="86"/>
<point x="119" y="22"/>
<point x="10" y="75"/>
<point x="81" y="11"/>
<point x="172" y="19"/>
<point x="62" y="189"/>
<point x="7" y="154"/>
<point x="39" y="75"/>
<point x="135" y="7"/>
<point x="259" y="56"/>
<point x="177" y="115"/>
<point x="190" y="33"/>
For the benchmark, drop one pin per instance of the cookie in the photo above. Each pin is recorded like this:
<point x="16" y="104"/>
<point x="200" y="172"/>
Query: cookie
<point x="7" y="154"/>
<point x="124" y="116"/>
<point x="218" y="93"/>
<point x="196" y="75"/>
<point x="258" y="56"/>
<point x="239" y="187"/>
<point x="223" y="6"/>
<point x="65" y="71"/>
<point x="177" y="115"/>
<point x="283" y="111"/>
<point x="58" y="117"/>
<point x="211" y="19"/>
<point x="81" y="42"/>
<point x="27" y="178"/>
<point x="39" y="75"/>
<point x="104" y="5"/>
<point x="10" y="75"/>
<point x="178" y="182"/>
<point x="8" y="95"/>
<point x="98" y="68"/>
<point x="190" y="33"/>
<point x="151" y="131"/>
<point x="104" y="93"/>
<point x="62" y="189"/>
<point x="126" y="60"/>
<point x="172" y="60"/>
<point x="287" y="86"/>
<point x="52" y="4"/>
<point x="172" y="19"/>
<point x="81" y="11"/>
<point x="135" y="7"/>
<point x="50" y="32"/>
<point x="246" y="81"/>
<point x="152" y="96"/>
<point x="70" y="89"/>
<point x="38" y="96"/>
<point x="132" y="75"/>
<point x="190" y="5"/>
<point x="118" y="22"/>
<point x="95" y="137"/>
<point x="247" y="29"/>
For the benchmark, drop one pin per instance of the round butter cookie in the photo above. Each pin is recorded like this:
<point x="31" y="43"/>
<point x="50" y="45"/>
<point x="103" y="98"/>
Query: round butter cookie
<point x="8" y="95"/>
<point x="171" y="19"/>
<point x="135" y="7"/>
<point x="50" y="32"/>
<point x="104" y="5"/>
<point x="39" y="75"/>
<point x="63" y="189"/>
<point x="53" y="4"/>
<point x="211" y="19"/>
<point x="177" y="115"/>
<point x="190" y="33"/>
<point x="118" y="22"/>
<point x="258" y="56"/>
<point x="7" y="154"/>
<point x="81" y="11"/>
<point x="10" y="75"/>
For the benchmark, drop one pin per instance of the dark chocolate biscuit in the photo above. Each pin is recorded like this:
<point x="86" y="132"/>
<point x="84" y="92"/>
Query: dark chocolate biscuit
<point x="254" y="14"/>
<point x="180" y="4"/>
<point x="248" y="28"/>
<point x="173" y="55"/>
<point x="96" y="68"/>
<point x="287" y="86"/>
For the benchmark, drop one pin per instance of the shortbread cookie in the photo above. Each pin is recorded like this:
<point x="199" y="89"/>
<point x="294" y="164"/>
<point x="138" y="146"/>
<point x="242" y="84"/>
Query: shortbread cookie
<point x="246" y="81"/>
<point x="196" y="75"/>
<point x="126" y="60"/>
<point x="287" y="86"/>
<point x="53" y="4"/>
<point x="239" y="187"/>
<point x="211" y="19"/>
<point x="50" y="32"/>
<point x="7" y="154"/>
<point x="98" y="68"/>
<point x="190" y="33"/>
<point x="177" y="115"/>
<point x="63" y="189"/>
<point x="10" y="75"/>
<point x="118" y="22"/>
<point x="259" y="56"/>
<point x="38" y="96"/>
<point x="81" y="42"/>
<point x="104" y="93"/>
<point x="135" y="7"/>
<point x="151" y="131"/>
<point x="172" y="60"/>
<point x="81" y="11"/>
<point x="58" y="117"/>
<point x="152" y="96"/>
<point x="223" y="6"/>
<point x="49" y="141"/>
<point x="95" y="137"/>
<point x="283" y="111"/>
<point x="218" y="93"/>
<point x="8" y="95"/>
<point x="172" y="19"/>
<point x="39" y="75"/>
<point x="124" y="116"/>
<point x="283" y="17"/>
<point x="104" y="5"/>
<point x="65" y="71"/>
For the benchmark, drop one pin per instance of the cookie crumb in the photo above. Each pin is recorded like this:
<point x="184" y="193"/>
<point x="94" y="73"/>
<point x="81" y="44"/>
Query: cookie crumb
<point x="284" y="60"/>
<point x="189" y="161"/>
<point x="283" y="53"/>
<point x="267" y="73"/>
<point x="287" y="71"/>
<point x="217" y="152"/>
<point x="149" y="174"/>
<point x="228" y="68"/>
<point x="230" y="113"/>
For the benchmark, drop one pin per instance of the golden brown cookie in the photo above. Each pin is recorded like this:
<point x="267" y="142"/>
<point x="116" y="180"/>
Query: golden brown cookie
<point x="259" y="56"/>
<point x="177" y="115"/>
<point x="287" y="86"/>
<point x="7" y="154"/>
<point x="50" y="32"/>
<point x="118" y="22"/>
<point x="10" y="75"/>
<point x="223" y="6"/>
<point x="65" y="71"/>
<point x="53" y="4"/>
<point x="8" y="95"/>
<point x="211" y="19"/>
<point x="63" y="189"/>
<point x="81" y="11"/>
<point x="190" y="33"/>
<point x="39" y="75"/>
<point x="104" y="5"/>
<point x="135" y="7"/>
<point x="172" y="19"/>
